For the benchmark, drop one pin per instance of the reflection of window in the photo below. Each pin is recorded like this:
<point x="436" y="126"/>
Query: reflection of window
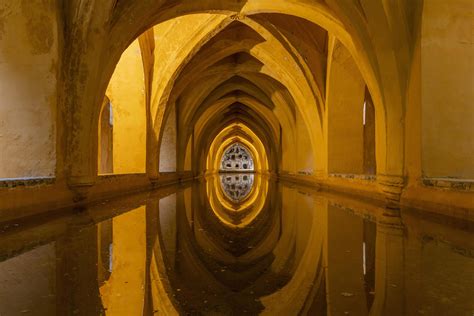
<point x="237" y="158"/>
<point x="105" y="247"/>
<point x="237" y="186"/>
<point x="111" y="249"/>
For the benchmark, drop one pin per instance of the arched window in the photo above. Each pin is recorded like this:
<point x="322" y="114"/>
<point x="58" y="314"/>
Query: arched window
<point x="237" y="158"/>
<point x="106" y="139"/>
<point x="368" y="121"/>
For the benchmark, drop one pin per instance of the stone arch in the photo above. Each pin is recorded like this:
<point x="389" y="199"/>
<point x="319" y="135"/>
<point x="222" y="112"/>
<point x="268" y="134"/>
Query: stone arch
<point x="220" y="135"/>
<point x="315" y="134"/>
<point x="369" y="50"/>
<point x="126" y="92"/>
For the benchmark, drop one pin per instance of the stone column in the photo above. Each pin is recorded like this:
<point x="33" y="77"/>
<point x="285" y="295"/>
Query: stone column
<point x="392" y="187"/>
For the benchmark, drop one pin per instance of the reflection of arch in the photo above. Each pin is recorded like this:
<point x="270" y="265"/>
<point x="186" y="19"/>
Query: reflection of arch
<point x="237" y="158"/>
<point x="234" y="132"/>
<point x="106" y="138"/>
<point x="247" y="210"/>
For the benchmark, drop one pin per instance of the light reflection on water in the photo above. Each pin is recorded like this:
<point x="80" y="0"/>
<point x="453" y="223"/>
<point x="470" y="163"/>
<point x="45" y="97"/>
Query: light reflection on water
<point x="237" y="246"/>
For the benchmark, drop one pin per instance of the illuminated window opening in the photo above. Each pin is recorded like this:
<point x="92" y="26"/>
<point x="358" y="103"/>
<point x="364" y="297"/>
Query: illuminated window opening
<point x="237" y="158"/>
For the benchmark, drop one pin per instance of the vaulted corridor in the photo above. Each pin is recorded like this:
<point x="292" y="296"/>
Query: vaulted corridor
<point x="236" y="156"/>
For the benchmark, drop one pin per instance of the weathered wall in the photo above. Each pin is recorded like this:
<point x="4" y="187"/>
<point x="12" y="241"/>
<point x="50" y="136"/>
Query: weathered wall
<point x="168" y="144"/>
<point x="28" y="61"/>
<point x="416" y="193"/>
<point x="413" y="142"/>
<point x="345" y="100"/>
<point x="447" y="89"/>
<point x="126" y="92"/>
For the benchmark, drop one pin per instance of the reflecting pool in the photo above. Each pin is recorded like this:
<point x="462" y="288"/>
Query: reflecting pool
<point x="237" y="244"/>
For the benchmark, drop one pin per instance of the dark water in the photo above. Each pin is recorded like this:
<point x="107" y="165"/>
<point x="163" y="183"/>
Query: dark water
<point x="237" y="244"/>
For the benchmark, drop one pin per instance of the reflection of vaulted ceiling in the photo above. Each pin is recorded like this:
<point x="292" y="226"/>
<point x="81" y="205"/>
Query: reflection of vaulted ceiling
<point x="245" y="74"/>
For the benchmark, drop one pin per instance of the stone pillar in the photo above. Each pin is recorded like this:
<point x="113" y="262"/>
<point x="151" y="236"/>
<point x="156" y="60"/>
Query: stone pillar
<point x="392" y="187"/>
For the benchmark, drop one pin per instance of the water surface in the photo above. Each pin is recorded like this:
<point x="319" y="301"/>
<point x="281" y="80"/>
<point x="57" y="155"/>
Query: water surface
<point x="237" y="244"/>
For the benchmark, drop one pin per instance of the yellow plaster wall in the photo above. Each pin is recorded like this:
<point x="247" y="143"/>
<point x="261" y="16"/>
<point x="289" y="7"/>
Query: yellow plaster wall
<point x="447" y="89"/>
<point x="126" y="92"/>
<point x="345" y="100"/>
<point x="413" y="120"/>
<point x="28" y="61"/>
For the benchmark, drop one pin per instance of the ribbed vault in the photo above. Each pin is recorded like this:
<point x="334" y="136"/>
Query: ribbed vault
<point x="246" y="73"/>
<point x="274" y="66"/>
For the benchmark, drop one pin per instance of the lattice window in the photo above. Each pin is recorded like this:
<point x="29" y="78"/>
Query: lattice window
<point x="237" y="158"/>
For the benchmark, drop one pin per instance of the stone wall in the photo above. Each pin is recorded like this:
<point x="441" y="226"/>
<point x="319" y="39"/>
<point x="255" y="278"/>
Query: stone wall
<point x="28" y="66"/>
